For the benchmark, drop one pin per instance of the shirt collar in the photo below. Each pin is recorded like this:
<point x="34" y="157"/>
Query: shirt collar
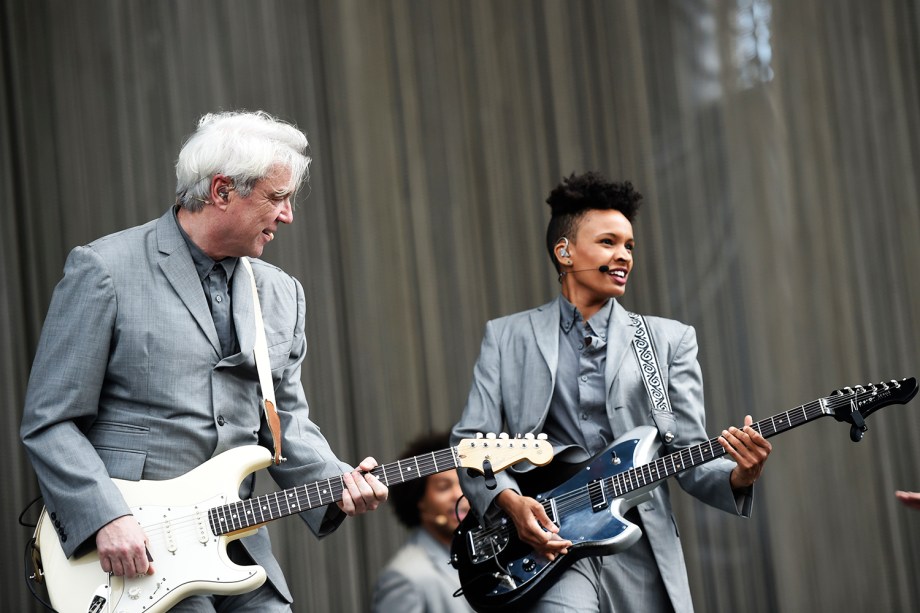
<point x="569" y="315"/>
<point x="203" y="262"/>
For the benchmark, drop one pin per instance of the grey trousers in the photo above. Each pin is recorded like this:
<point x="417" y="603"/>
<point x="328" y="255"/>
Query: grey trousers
<point x="628" y="582"/>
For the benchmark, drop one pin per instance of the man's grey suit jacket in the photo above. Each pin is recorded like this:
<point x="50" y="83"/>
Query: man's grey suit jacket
<point x="128" y="382"/>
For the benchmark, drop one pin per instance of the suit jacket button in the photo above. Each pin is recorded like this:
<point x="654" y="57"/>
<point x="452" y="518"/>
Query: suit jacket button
<point x="220" y="420"/>
<point x="53" y="515"/>
<point x="63" y="538"/>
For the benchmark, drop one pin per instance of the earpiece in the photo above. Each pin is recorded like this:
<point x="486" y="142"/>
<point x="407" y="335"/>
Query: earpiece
<point x="223" y="193"/>
<point x="564" y="252"/>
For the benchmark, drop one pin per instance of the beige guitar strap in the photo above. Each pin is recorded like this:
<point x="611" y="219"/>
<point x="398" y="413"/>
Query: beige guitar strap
<point x="263" y="365"/>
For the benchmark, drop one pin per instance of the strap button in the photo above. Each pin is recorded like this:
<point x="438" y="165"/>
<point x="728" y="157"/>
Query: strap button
<point x="668" y="436"/>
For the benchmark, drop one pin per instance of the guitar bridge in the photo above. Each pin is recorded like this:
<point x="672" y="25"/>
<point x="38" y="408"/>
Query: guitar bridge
<point x="487" y="544"/>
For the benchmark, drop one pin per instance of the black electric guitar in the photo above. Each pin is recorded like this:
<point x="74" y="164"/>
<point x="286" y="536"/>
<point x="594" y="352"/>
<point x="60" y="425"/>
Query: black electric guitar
<point x="190" y="520"/>
<point x="499" y="572"/>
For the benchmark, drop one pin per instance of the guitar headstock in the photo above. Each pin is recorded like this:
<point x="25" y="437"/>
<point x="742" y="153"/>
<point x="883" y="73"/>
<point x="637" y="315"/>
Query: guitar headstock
<point x="854" y="404"/>
<point x="502" y="451"/>
<point x="872" y="397"/>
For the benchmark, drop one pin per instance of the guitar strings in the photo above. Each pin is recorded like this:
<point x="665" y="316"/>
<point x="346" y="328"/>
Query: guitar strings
<point x="629" y="480"/>
<point x="241" y="514"/>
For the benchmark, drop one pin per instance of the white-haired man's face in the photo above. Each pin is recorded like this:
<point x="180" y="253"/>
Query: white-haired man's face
<point x="248" y="223"/>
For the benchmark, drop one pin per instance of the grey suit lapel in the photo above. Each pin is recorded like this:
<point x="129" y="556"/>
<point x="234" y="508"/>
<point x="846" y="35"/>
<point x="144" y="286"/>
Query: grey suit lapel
<point x="620" y="333"/>
<point x="181" y="274"/>
<point x="545" y="322"/>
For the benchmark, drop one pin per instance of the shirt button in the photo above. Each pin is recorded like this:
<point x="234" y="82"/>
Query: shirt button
<point x="581" y="346"/>
<point x="218" y="298"/>
<point x="584" y="416"/>
<point x="220" y="420"/>
<point x="584" y="378"/>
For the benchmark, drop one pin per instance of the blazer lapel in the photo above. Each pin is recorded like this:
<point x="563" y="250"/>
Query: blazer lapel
<point x="181" y="274"/>
<point x="545" y="322"/>
<point x="620" y="333"/>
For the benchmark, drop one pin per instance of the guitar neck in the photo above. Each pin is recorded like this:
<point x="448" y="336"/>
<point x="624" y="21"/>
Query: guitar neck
<point x="245" y="514"/>
<point x="679" y="461"/>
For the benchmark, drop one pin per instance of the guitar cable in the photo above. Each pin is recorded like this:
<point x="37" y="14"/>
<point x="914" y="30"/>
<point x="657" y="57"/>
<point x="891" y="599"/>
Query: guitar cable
<point x="30" y="556"/>
<point x="32" y="559"/>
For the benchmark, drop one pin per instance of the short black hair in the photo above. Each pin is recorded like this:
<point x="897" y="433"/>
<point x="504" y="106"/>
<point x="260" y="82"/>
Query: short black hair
<point x="578" y="194"/>
<point x="405" y="496"/>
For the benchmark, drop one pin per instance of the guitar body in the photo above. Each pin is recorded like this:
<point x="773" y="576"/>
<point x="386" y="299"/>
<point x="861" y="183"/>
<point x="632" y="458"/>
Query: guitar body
<point x="189" y="559"/>
<point x="499" y="572"/>
<point x="190" y="520"/>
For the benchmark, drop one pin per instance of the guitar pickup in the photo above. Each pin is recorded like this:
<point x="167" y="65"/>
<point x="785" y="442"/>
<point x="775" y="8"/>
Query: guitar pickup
<point x="550" y="507"/>
<point x="598" y="496"/>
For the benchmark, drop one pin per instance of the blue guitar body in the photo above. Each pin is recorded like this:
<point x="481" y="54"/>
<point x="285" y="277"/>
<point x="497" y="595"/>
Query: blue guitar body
<point x="498" y="571"/>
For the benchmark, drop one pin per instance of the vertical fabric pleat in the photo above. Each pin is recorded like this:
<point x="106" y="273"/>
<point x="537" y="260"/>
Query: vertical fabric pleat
<point x="777" y="144"/>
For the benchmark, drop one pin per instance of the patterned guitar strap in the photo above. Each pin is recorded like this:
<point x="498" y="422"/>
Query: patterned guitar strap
<point x="651" y="375"/>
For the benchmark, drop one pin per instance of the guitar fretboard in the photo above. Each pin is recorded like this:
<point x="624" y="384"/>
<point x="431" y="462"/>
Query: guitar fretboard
<point x="679" y="461"/>
<point x="244" y="514"/>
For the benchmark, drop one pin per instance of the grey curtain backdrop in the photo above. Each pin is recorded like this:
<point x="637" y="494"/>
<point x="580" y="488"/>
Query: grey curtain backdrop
<point x="776" y="142"/>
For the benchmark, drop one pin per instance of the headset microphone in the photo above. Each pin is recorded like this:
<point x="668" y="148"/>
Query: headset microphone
<point x="603" y="268"/>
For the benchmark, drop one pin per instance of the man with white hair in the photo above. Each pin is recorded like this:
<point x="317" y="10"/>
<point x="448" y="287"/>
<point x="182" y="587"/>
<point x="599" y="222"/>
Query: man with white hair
<point x="147" y="367"/>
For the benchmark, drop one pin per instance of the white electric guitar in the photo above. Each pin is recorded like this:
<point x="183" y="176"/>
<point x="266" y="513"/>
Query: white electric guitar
<point x="190" y="520"/>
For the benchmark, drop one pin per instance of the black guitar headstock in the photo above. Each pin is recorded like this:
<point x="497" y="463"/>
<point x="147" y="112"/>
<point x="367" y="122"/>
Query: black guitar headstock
<point x="854" y="404"/>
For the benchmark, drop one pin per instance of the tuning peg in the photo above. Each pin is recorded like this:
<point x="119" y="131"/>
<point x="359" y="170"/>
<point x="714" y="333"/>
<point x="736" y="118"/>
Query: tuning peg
<point x="541" y="437"/>
<point x="490" y="435"/>
<point x="895" y="383"/>
<point x="503" y="435"/>
<point x="529" y="436"/>
<point x="479" y="435"/>
<point x="518" y="435"/>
